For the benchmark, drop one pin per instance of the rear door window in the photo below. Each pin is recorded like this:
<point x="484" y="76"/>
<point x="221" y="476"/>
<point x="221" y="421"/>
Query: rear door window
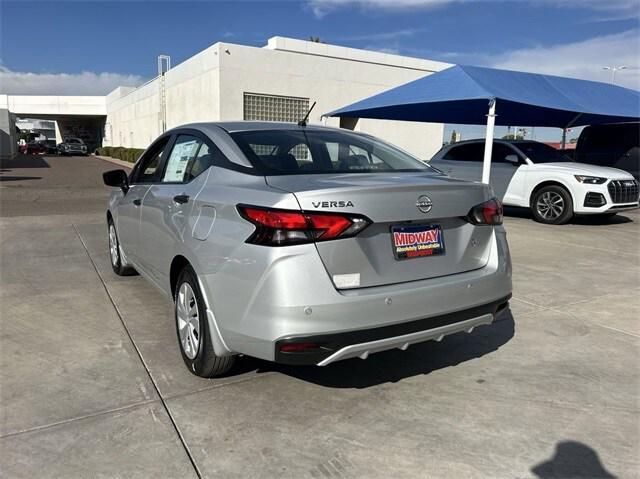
<point x="500" y="152"/>
<point x="540" y="153"/>
<point x="206" y="157"/>
<point x="467" y="152"/>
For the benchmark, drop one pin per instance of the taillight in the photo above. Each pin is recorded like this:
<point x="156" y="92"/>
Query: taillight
<point x="285" y="227"/>
<point x="487" y="213"/>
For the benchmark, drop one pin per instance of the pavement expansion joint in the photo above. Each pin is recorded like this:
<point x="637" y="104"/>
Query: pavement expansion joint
<point x="80" y="418"/>
<point x="140" y="357"/>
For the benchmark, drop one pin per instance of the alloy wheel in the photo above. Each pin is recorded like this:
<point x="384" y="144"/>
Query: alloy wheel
<point x="550" y="205"/>
<point x="113" y="246"/>
<point x="188" y="318"/>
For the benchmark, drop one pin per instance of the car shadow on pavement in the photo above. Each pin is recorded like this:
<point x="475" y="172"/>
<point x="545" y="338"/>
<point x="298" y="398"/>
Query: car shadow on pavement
<point x="24" y="161"/>
<point x="395" y="365"/>
<point x="598" y="220"/>
<point x="572" y="459"/>
<point x="594" y="220"/>
<point x="19" y="178"/>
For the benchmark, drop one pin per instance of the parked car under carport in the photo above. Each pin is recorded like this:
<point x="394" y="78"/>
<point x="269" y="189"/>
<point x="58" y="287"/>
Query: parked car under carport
<point x="530" y="174"/>
<point x="33" y="148"/>
<point x="616" y="145"/>
<point x="72" y="146"/>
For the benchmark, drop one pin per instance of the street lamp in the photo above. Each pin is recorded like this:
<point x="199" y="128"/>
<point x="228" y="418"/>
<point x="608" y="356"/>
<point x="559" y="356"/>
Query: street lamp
<point x="614" y="69"/>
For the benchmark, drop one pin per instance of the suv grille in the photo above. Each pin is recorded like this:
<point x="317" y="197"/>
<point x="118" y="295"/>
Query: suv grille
<point x="623" y="191"/>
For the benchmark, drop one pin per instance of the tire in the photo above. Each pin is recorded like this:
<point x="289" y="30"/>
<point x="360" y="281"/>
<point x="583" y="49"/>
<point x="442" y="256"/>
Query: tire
<point x="114" y="252"/>
<point x="192" y="329"/>
<point x="552" y="205"/>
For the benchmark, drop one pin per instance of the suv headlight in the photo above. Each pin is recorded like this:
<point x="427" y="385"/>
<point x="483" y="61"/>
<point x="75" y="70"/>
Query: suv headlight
<point x="591" y="180"/>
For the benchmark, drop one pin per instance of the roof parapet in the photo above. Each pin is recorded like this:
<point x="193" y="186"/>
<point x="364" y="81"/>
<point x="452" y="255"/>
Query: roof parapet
<point x="354" y="54"/>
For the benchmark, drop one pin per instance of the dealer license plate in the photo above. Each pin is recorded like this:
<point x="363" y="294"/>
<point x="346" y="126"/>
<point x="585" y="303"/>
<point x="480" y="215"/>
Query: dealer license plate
<point x="417" y="241"/>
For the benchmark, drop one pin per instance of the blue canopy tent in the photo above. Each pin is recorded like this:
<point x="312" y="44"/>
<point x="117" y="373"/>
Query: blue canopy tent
<point x="478" y="96"/>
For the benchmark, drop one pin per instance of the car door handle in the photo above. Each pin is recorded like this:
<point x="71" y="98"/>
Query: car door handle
<point x="137" y="202"/>
<point x="181" y="199"/>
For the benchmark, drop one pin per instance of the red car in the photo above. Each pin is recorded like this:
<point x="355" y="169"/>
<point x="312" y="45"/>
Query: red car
<point x="33" y="148"/>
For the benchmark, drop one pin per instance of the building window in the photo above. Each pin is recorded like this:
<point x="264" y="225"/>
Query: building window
<point x="274" y="108"/>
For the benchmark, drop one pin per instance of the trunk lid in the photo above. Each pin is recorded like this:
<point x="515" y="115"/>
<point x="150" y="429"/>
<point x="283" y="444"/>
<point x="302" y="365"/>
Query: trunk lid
<point x="389" y="200"/>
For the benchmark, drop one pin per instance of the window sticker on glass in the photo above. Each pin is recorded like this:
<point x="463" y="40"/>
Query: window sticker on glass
<point x="182" y="152"/>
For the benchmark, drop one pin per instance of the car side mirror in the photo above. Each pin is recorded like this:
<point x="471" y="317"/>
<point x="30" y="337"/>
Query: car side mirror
<point x="512" y="159"/>
<point x="117" y="179"/>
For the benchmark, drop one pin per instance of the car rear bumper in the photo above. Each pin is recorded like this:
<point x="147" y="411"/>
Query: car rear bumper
<point x="295" y="298"/>
<point x="336" y="347"/>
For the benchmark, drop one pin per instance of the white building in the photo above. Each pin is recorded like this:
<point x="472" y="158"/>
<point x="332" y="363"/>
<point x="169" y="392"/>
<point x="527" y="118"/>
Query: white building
<point x="278" y="82"/>
<point x="77" y="116"/>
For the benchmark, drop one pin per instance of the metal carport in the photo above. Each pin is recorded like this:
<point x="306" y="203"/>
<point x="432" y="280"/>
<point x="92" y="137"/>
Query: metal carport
<point x="476" y="96"/>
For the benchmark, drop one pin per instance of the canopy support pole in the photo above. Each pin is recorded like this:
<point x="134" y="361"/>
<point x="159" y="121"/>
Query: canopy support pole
<point x="488" y="142"/>
<point x="564" y="130"/>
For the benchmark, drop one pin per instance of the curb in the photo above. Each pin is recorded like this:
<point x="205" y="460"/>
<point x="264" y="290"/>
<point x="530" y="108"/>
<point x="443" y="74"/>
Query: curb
<point x="115" y="161"/>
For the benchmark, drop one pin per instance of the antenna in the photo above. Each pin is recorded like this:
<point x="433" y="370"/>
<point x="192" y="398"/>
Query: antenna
<point x="303" y="122"/>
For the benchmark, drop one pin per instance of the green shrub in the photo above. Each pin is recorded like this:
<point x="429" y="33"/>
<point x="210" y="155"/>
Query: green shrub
<point x="115" y="151"/>
<point x="130" y="155"/>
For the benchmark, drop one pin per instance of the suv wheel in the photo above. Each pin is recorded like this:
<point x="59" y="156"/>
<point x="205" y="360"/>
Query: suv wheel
<point x="114" y="253"/>
<point x="193" y="332"/>
<point x="552" y="205"/>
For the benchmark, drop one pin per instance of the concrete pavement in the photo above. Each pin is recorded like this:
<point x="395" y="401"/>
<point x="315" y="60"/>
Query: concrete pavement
<point x="92" y="383"/>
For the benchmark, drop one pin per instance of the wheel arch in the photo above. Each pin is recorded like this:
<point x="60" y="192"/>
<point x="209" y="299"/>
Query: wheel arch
<point x="177" y="264"/>
<point x="219" y="345"/>
<point x="545" y="183"/>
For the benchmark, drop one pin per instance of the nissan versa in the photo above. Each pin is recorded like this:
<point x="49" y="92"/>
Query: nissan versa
<point x="305" y="245"/>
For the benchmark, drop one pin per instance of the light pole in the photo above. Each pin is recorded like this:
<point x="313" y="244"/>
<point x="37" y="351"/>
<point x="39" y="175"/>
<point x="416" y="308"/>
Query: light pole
<point x="614" y="69"/>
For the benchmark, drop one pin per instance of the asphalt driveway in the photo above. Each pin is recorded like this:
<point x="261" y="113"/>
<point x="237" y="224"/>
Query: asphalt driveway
<point x="92" y="383"/>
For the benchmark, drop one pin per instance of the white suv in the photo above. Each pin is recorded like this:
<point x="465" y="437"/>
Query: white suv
<point x="534" y="175"/>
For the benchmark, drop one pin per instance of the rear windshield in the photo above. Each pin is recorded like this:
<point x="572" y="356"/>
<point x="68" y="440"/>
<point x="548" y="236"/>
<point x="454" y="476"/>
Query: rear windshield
<point x="291" y="152"/>
<point x="541" y="153"/>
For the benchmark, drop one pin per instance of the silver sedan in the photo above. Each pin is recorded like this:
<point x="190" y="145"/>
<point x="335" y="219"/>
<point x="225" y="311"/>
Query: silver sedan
<point x="304" y="244"/>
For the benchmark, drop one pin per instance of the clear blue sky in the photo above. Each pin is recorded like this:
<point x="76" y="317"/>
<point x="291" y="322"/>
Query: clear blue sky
<point x="89" y="45"/>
